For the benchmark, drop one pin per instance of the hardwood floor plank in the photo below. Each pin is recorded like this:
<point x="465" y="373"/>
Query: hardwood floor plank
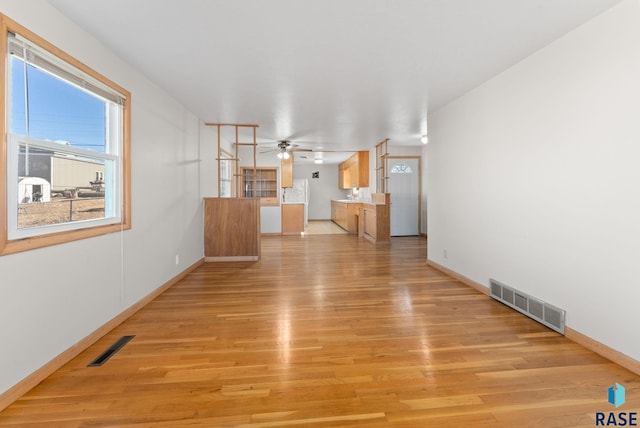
<point x="326" y="331"/>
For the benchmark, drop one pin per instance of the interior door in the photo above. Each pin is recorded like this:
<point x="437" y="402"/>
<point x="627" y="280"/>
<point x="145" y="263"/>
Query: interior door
<point x="404" y="187"/>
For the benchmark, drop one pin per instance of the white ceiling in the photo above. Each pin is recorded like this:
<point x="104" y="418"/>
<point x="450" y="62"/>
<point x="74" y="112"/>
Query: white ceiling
<point x="332" y="74"/>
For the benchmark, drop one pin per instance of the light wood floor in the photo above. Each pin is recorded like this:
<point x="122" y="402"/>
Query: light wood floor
<point x="328" y="331"/>
<point x="323" y="227"/>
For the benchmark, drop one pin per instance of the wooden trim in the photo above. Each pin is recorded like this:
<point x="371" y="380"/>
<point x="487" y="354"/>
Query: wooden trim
<point x="126" y="164"/>
<point x="471" y="283"/>
<point x="18" y="245"/>
<point x="603" y="350"/>
<point x="230" y="124"/>
<point x="41" y="241"/>
<point x="21" y="388"/>
<point x="232" y="258"/>
<point x="577" y="337"/>
<point x="219" y="163"/>
<point x="3" y="131"/>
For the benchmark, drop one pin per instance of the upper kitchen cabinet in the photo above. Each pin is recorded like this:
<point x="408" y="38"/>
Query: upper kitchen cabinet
<point x="286" y="174"/>
<point x="354" y="172"/>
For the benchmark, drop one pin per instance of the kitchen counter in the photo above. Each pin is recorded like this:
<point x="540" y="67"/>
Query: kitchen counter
<point x="375" y="219"/>
<point x="347" y="201"/>
<point x="356" y="201"/>
<point x="368" y="219"/>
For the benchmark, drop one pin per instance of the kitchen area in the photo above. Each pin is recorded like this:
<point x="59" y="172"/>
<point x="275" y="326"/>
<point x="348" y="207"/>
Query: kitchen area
<point x="339" y="193"/>
<point x="362" y="213"/>
<point x="261" y="193"/>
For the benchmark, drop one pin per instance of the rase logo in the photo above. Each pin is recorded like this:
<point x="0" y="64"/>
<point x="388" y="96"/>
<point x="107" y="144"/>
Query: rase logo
<point x="616" y="397"/>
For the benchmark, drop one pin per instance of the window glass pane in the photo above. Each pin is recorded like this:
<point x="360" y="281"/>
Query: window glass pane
<point x="401" y="169"/>
<point x="61" y="188"/>
<point x="225" y="189"/>
<point x="57" y="110"/>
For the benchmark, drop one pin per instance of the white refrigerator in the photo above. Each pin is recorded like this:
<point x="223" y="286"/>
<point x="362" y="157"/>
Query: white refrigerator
<point x="299" y="192"/>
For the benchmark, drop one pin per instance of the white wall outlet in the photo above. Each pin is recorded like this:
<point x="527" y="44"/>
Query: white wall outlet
<point x="177" y="259"/>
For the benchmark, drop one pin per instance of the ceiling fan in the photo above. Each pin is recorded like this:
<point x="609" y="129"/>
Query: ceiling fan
<point x="284" y="149"/>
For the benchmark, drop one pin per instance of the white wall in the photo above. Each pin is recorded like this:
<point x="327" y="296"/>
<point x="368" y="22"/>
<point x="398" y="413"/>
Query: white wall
<point x="322" y="190"/>
<point x="54" y="297"/>
<point x="533" y="178"/>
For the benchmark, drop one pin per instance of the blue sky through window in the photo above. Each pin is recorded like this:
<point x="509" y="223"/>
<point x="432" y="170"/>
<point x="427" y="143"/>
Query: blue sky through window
<point x="58" y="111"/>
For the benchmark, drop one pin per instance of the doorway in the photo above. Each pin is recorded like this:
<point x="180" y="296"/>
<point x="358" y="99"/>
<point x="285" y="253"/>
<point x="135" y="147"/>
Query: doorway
<point x="404" y="187"/>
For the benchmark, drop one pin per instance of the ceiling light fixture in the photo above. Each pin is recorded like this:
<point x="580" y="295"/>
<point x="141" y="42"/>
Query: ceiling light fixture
<point x="283" y="154"/>
<point x="424" y="139"/>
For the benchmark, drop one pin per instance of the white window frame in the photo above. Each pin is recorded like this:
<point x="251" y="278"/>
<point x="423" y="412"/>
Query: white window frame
<point x="113" y="195"/>
<point x="116" y="155"/>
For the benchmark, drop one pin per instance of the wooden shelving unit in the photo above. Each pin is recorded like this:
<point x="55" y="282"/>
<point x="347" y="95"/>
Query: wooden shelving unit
<point x="382" y="158"/>
<point x="232" y="223"/>
<point x="260" y="183"/>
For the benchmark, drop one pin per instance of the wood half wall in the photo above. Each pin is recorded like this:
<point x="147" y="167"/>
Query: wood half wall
<point x="231" y="229"/>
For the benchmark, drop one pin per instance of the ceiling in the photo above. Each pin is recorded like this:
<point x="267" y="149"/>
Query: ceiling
<point x="326" y="74"/>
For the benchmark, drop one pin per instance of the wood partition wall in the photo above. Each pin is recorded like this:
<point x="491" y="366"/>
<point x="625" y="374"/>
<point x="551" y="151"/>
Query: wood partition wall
<point x="232" y="224"/>
<point x="231" y="229"/>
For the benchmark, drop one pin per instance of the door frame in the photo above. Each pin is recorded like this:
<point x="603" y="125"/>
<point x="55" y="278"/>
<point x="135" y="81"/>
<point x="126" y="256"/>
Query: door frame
<point x="419" y="158"/>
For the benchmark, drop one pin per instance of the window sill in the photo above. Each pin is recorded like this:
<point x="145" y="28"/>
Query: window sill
<point x="40" y="241"/>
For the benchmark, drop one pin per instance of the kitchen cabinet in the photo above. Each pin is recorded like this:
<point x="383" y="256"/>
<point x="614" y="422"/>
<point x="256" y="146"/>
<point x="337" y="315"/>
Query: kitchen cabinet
<point x="354" y="172"/>
<point x="370" y="217"/>
<point x="345" y="214"/>
<point x="339" y="213"/>
<point x="374" y="219"/>
<point x="292" y="218"/>
<point x="286" y="172"/>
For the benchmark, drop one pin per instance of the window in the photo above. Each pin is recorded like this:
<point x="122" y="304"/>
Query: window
<point x="401" y="168"/>
<point x="226" y="174"/>
<point x="67" y="146"/>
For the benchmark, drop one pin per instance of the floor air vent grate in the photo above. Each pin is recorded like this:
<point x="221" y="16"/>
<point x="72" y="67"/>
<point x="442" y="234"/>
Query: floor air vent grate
<point x="543" y="312"/>
<point x="109" y="352"/>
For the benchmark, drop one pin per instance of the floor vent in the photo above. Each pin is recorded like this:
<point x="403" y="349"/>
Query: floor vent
<point x="543" y="312"/>
<point x="109" y="352"/>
